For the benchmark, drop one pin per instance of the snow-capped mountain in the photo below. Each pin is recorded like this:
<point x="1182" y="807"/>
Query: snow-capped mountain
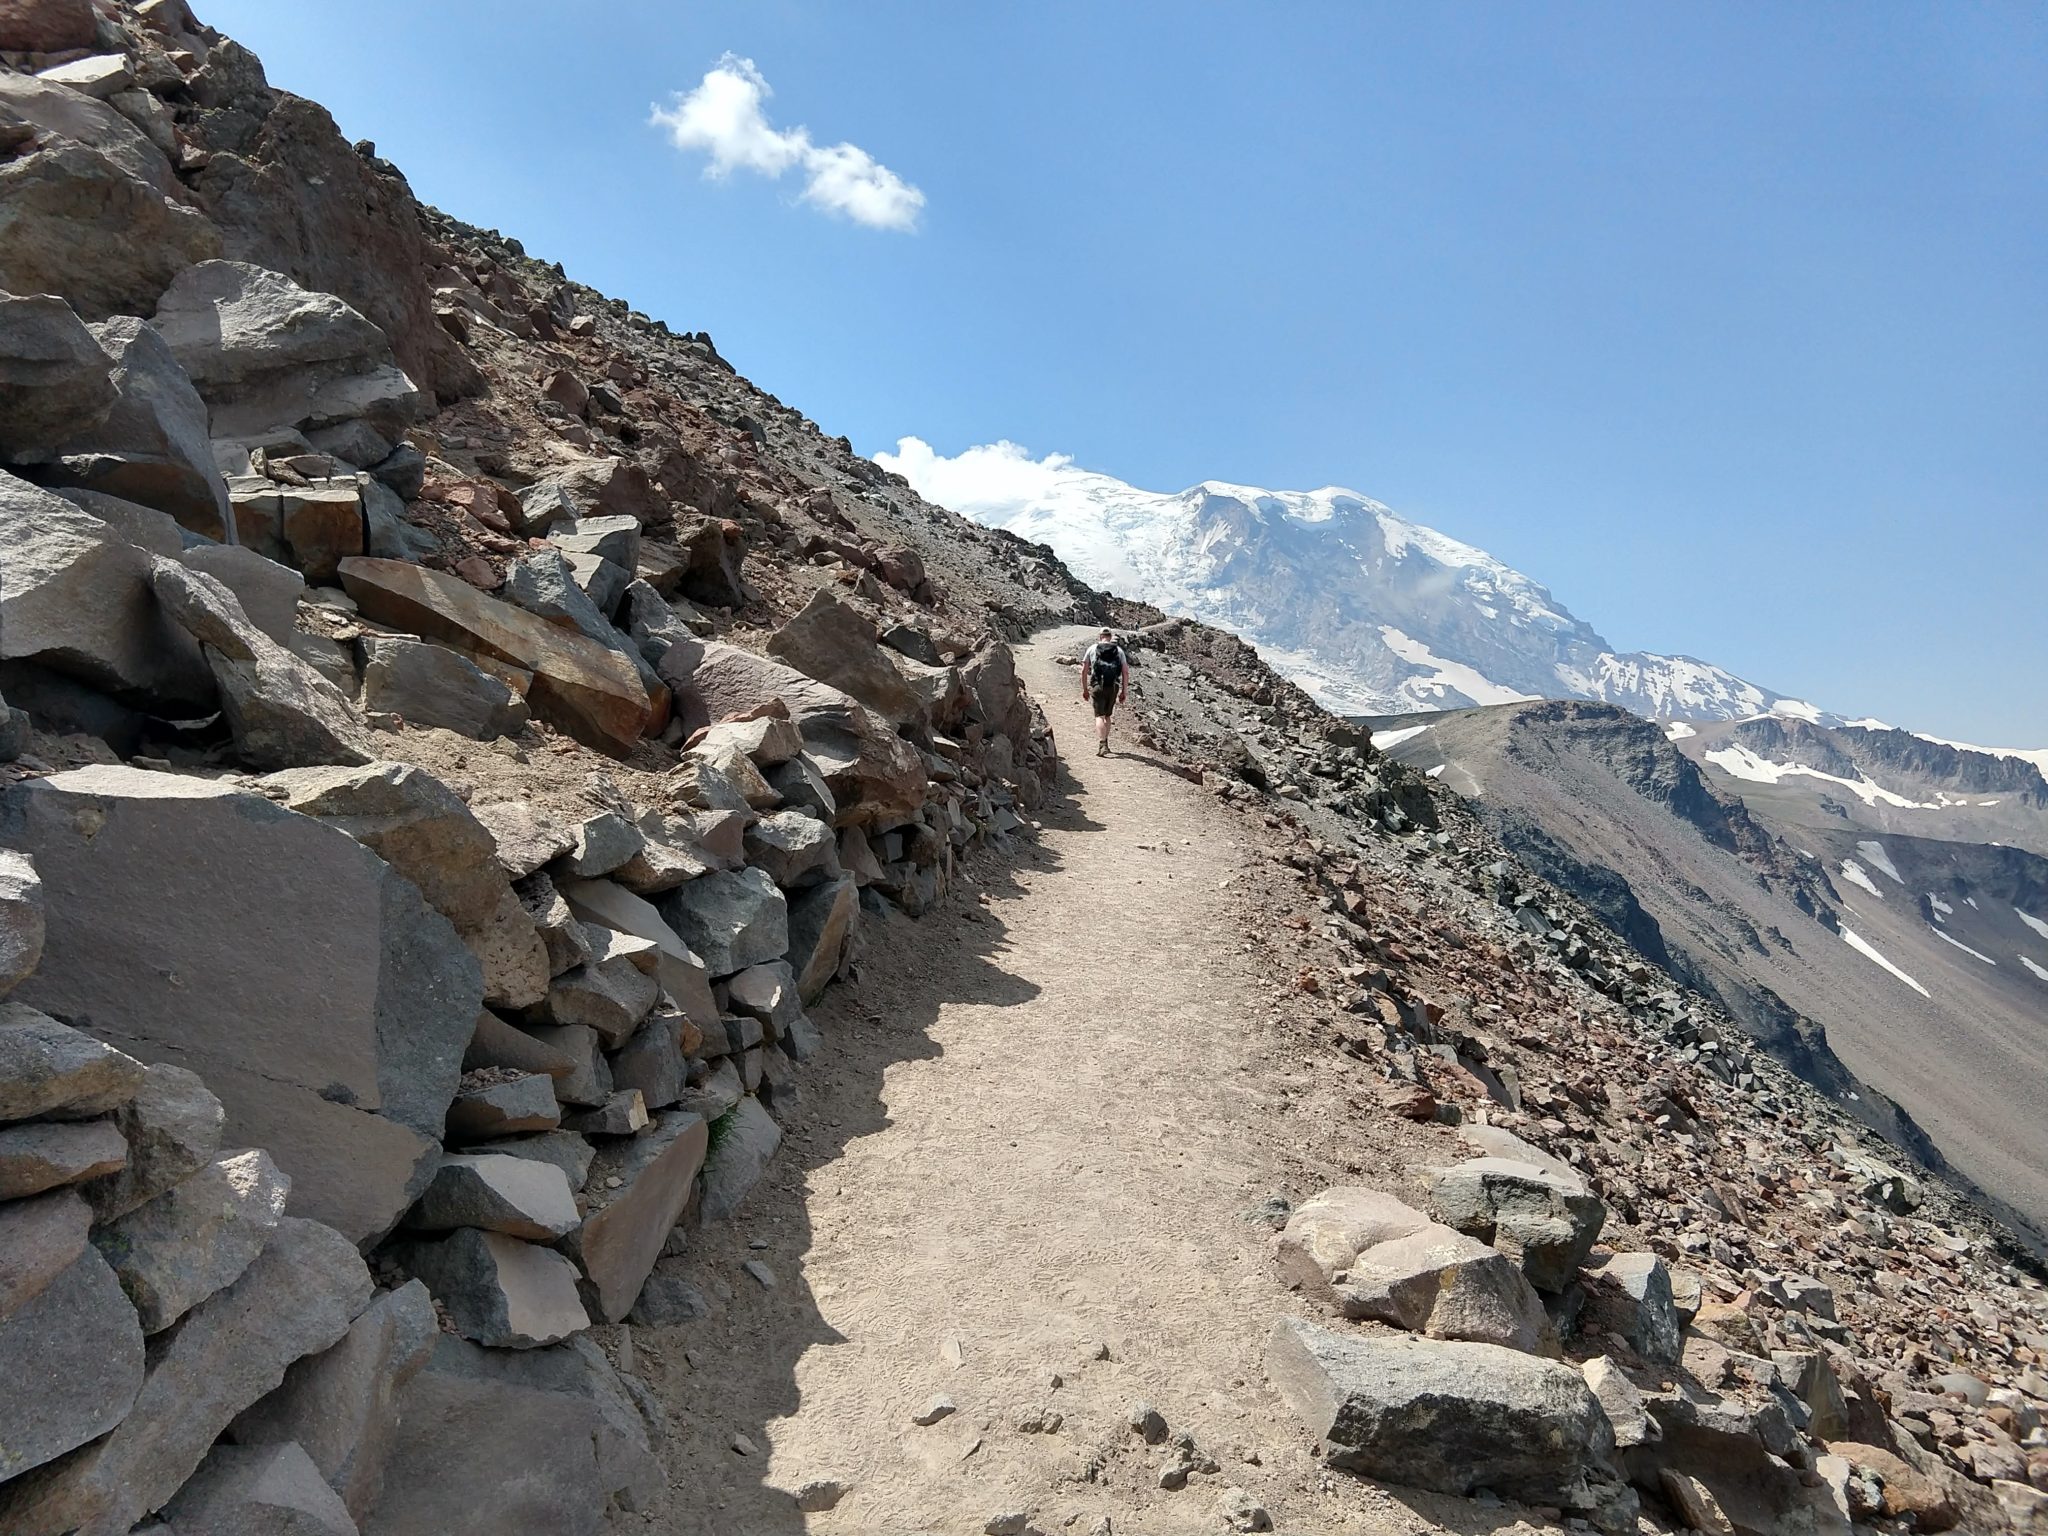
<point x="1369" y="612"/>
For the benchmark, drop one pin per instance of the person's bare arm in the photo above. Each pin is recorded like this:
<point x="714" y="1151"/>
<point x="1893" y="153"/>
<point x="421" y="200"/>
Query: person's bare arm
<point x="1123" y="687"/>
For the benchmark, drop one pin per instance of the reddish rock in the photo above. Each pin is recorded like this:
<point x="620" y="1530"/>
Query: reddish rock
<point x="578" y="686"/>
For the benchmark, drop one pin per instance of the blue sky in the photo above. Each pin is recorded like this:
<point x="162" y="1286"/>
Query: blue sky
<point x="1729" y="323"/>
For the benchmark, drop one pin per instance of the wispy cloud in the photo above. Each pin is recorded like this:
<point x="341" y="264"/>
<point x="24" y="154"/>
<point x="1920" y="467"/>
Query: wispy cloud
<point x="724" y="120"/>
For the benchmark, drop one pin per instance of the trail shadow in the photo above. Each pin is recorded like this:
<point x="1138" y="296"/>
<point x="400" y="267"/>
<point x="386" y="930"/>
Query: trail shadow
<point x="733" y="1372"/>
<point x="1153" y="761"/>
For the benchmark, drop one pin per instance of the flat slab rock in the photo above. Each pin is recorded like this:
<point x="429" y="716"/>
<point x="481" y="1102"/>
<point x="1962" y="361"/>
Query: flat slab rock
<point x="258" y="1488"/>
<point x="341" y="1406"/>
<point x="578" y="685"/>
<point x="196" y="1237"/>
<point x="620" y="1241"/>
<point x="71" y="1355"/>
<point x="498" y="1290"/>
<point x="746" y="1141"/>
<point x="305" y="980"/>
<point x="298" y="1297"/>
<point x="497" y="1441"/>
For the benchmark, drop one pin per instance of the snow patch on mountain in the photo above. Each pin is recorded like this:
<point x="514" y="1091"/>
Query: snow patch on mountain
<point x="1371" y="613"/>
<point x="1868" y="950"/>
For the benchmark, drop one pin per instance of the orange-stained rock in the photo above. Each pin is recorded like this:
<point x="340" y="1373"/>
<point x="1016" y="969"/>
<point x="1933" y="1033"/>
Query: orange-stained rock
<point x="578" y="685"/>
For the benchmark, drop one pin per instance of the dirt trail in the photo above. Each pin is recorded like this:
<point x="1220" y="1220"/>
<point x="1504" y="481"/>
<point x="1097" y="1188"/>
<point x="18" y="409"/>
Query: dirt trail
<point x="1036" y="1132"/>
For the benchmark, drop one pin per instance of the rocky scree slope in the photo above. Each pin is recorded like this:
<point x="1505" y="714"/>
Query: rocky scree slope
<point x="1866" y="961"/>
<point x="1812" y="776"/>
<point x="1708" y="1241"/>
<point x="454" y="731"/>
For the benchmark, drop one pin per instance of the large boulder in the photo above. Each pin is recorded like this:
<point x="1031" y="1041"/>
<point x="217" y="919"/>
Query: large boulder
<point x="1629" y="1294"/>
<point x="431" y="685"/>
<point x="1547" y="1219"/>
<point x="46" y="26"/>
<point x="833" y="641"/>
<point x="1367" y="1255"/>
<point x="990" y="679"/>
<point x="425" y="831"/>
<point x="875" y="776"/>
<point x="733" y="919"/>
<point x="537" y="1440"/>
<point x="255" y="1490"/>
<point x="283" y="714"/>
<point x="266" y="353"/>
<point x="341" y="1406"/>
<point x="71" y="1356"/>
<point x="306" y="980"/>
<point x="76" y="597"/>
<point x="496" y="1289"/>
<point x="172" y="1127"/>
<point x="50" y="1068"/>
<point x="153" y="448"/>
<point x="578" y="685"/>
<point x="545" y="584"/>
<point x="747" y="1140"/>
<point x="496" y="1193"/>
<point x="75" y="222"/>
<point x="54" y="379"/>
<point x="795" y="849"/>
<point x="21" y="917"/>
<point x="821" y="920"/>
<point x="36" y="1155"/>
<point x="713" y="552"/>
<point x="645" y="1182"/>
<point x="1329" y="1230"/>
<point x="299" y="1296"/>
<point x="680" y="970"/>
<point x="1450" y="1417"/>
<point x="40" y="1238"/>
<point x="196" y="1237"/>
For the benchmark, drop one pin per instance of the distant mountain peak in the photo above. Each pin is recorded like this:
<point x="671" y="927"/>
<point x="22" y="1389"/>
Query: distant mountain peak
<point x="1370" y="612"/>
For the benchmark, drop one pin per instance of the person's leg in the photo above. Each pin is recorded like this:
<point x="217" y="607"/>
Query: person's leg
<point x="1102" y="733"/>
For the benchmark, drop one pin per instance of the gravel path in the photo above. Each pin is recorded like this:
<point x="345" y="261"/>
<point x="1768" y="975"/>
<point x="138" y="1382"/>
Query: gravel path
<point x="1019" y="1180"/>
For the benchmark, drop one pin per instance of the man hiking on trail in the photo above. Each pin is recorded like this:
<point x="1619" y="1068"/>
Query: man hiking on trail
<point x="1105" y="683"/>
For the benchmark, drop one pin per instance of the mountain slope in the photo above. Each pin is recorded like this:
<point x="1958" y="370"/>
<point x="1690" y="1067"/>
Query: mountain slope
<point x="1912" y="954"/>
<point x="1369" y="612"/>
<point x="1804" y="774"/>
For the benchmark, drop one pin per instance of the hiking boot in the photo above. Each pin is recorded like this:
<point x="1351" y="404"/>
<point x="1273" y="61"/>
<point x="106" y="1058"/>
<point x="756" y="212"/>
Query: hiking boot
<point x="1102" y="749"/>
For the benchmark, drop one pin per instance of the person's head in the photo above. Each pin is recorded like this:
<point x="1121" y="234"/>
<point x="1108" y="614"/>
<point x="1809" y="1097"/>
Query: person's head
<point x="1108" y="634"/>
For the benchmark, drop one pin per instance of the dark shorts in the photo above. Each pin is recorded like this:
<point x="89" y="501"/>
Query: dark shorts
<point x="1103" y="697"/>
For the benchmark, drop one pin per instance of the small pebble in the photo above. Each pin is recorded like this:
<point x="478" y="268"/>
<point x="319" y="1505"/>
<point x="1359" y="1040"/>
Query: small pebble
<point x="1147" y="1422"/>
<point x="1010" y="1523"/>
<point x="760" y="1272"/>
<point x="935" y="1410"/>
<point x="744" y="1446"/>
<point x="819" y="1494"/>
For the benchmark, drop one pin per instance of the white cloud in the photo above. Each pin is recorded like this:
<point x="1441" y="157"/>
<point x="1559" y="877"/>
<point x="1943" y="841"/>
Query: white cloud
<point x="723" y="119"/>
<point x="988" y="483"/>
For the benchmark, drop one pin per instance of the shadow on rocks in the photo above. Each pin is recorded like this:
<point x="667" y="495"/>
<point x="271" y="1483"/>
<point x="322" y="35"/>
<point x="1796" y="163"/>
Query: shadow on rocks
<point x="728" y="1376"/>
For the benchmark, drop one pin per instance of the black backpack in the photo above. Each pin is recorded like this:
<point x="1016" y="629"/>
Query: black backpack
<point x="1108" y="670"/>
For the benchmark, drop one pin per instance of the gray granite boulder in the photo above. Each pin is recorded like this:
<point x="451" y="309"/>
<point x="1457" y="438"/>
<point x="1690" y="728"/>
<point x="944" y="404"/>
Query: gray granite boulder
<point x="304" y="979"/>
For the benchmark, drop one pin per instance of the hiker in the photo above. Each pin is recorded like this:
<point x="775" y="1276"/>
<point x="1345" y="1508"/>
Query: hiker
<point x="1105" y="683"/>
